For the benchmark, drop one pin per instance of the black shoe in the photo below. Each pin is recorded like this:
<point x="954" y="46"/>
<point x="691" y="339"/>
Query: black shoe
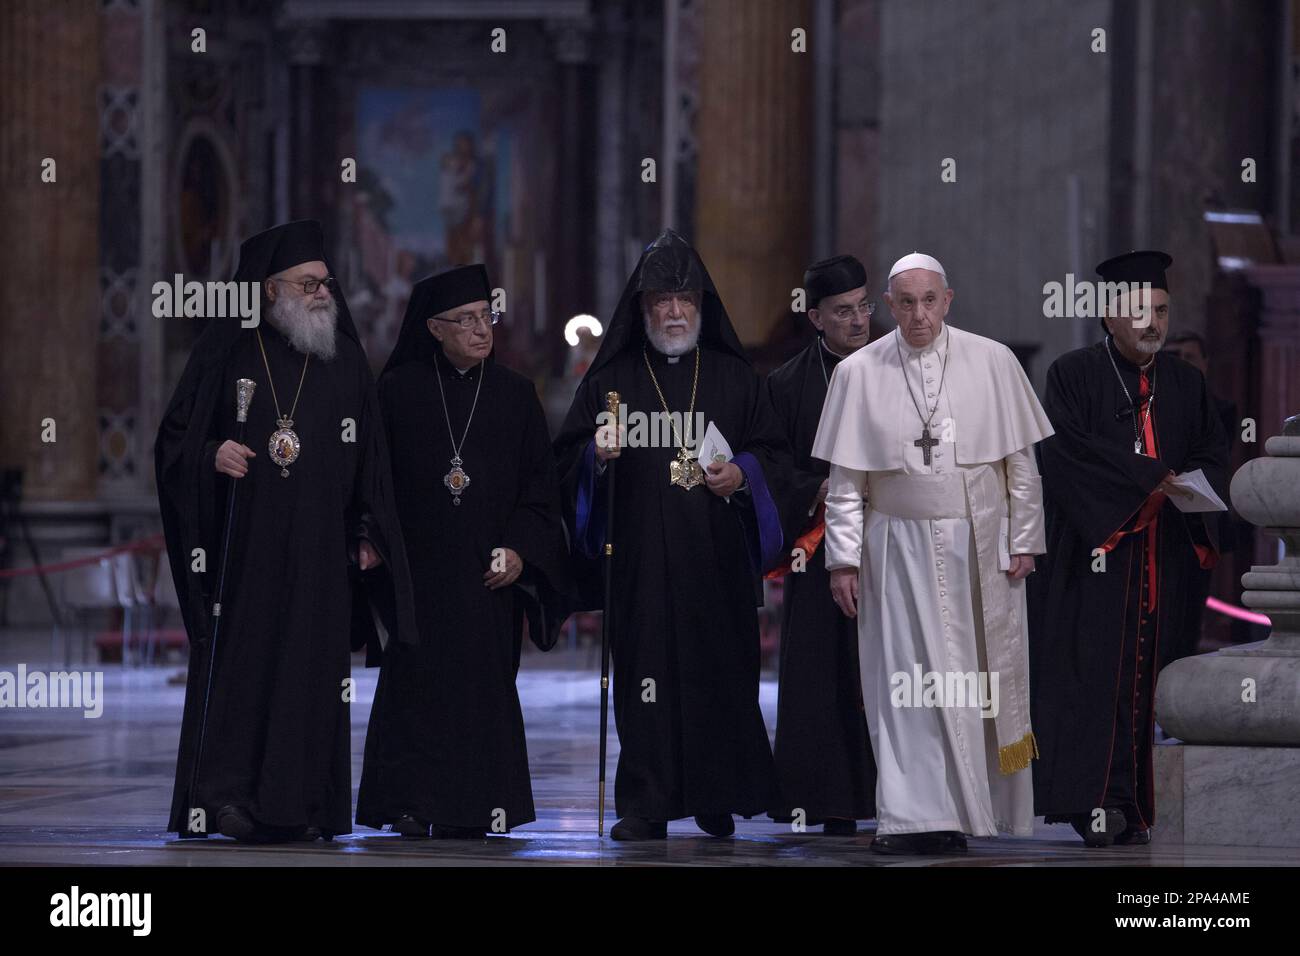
<point x="442" y="832"/>
<point x="639" y="828"/>
<point x="1115" y="826"/>
<point x="840" y="828"/>
<point x="905" y="844"/>
<point x="716" y="824"/>
<point x="950" y="841"/>
<point x="1134" y="836"/>
<point x="238" y="824"/>
<point x="410" y="826"/>
<point x="309" y="835"/>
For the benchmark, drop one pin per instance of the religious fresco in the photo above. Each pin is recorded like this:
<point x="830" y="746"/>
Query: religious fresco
<point x="204" y="234"/>
<point x="434" y="191"/>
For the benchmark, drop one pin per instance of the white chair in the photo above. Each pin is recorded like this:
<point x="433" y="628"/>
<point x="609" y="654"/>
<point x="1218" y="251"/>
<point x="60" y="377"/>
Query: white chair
<point x="86" y="590"/>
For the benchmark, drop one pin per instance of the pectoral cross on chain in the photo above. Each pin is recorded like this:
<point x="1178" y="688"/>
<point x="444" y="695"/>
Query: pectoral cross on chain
<point x="925" y="442"/>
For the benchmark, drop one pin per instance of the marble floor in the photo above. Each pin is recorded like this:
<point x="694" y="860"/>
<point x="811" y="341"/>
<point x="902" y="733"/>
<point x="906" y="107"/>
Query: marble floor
<point x="95" y="792"/>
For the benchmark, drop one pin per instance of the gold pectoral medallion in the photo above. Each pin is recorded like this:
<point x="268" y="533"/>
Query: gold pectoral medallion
<point x="684" y="471"/>
<point x="284" y="445"/>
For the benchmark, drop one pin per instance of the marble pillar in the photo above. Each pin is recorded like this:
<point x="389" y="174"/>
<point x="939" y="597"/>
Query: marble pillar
<point x="49" y="300"/>
<point x="754" y="134"/>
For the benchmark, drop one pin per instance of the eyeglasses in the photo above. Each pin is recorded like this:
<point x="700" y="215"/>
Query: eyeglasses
<point x="845" y="313"/>
<point x="309" y="286"/>
<point x="468" y="320"/>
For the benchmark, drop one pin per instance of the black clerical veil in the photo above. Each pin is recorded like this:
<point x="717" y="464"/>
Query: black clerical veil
<point x="430" y="296"/>
<point x="668" y="264"/>
<point x="185" y="485"/>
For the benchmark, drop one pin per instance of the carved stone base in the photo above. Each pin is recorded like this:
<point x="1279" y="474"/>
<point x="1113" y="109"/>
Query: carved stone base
<point x="1227" y="796"/>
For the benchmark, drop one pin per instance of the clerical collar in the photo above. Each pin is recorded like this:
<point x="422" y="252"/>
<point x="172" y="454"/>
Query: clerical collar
<point x="460" y="374"/>
<point x="829" y="352"/>
<point x="936" y="343"/>
<point x="659" y="358"/>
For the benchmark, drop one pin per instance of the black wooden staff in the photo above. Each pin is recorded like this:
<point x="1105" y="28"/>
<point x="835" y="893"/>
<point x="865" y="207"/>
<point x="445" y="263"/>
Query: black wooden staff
<point x="611" y="403"/>
<point x="243" y="398"/>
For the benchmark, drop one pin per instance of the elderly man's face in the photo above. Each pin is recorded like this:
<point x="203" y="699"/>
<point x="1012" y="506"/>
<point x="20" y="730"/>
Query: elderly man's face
<point x="844" y="319"/>
<point x="672" y="320"/>
<point x="1139" y="323"/>
<point x="465" y="333"/>
<point x="919" y="303"/>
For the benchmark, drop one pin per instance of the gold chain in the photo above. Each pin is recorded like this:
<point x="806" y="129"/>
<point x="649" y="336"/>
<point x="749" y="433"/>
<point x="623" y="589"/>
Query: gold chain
<point x="279" y="416"/>
<point x="649" y="368"/>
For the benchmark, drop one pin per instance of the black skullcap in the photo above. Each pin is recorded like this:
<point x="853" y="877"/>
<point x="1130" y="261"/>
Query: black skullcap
<point x="833" y="276"/>
<point x="454" y="288"/>
<point x="1147" y="265"/>
<point x="669" y="264"/>
<point x="285" y="246"/>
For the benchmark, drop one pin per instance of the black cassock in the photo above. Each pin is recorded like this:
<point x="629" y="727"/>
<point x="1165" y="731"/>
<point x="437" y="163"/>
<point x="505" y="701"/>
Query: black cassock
<point x="1096" y="643"/>
<point x="687" y="564"/>
<point x="446" y="739"/>
<point x="823" y="752"/>
<point x="295" y="605"/>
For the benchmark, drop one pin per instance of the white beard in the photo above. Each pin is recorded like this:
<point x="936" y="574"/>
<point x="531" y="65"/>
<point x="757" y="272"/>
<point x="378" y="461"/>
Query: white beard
<point x="1150" y="346"/>
<point x="672" y="349"/>
<point x="309" y="329"/>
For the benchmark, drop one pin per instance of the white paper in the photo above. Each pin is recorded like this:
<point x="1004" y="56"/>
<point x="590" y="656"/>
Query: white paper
<point x="712" y="446"/>
<point x="1203" y="496"/>
<point x="1004" y="545"/>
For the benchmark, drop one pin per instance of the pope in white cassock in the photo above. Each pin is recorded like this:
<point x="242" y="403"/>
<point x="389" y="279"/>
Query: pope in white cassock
<point x="933" y="515"/>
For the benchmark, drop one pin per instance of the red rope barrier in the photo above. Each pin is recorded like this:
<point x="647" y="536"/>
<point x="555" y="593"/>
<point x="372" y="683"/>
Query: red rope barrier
<point x="152" y="542"/>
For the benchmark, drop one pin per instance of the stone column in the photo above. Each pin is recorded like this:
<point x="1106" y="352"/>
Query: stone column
<point x="49" y="231"/>
<point x="306" y="43"/>
<point x="1233" y="778"/>
<point x="754" y="130"/>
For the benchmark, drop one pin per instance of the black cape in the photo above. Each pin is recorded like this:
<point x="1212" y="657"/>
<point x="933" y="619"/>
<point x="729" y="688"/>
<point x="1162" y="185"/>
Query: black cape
<point x="446" y="739"/>
<point x="823" y="754"/>
<point x="1093" y="653"/>
<point x="295" y="604"/>
<point x="687" y="564"/>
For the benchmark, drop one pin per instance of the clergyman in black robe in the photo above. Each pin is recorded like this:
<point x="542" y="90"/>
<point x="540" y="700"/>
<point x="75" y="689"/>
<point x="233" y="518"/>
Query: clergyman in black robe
<point x="1128" y="418"/>
<point x="688" y="550"/>
<point x="823" y="755"/>
<point x="478" y="499"/>
<point x="276" y="758"/>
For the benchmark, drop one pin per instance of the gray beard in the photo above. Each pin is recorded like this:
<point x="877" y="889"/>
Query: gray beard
<point x="663" y="347"/>
<point x="309" y="330"/>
